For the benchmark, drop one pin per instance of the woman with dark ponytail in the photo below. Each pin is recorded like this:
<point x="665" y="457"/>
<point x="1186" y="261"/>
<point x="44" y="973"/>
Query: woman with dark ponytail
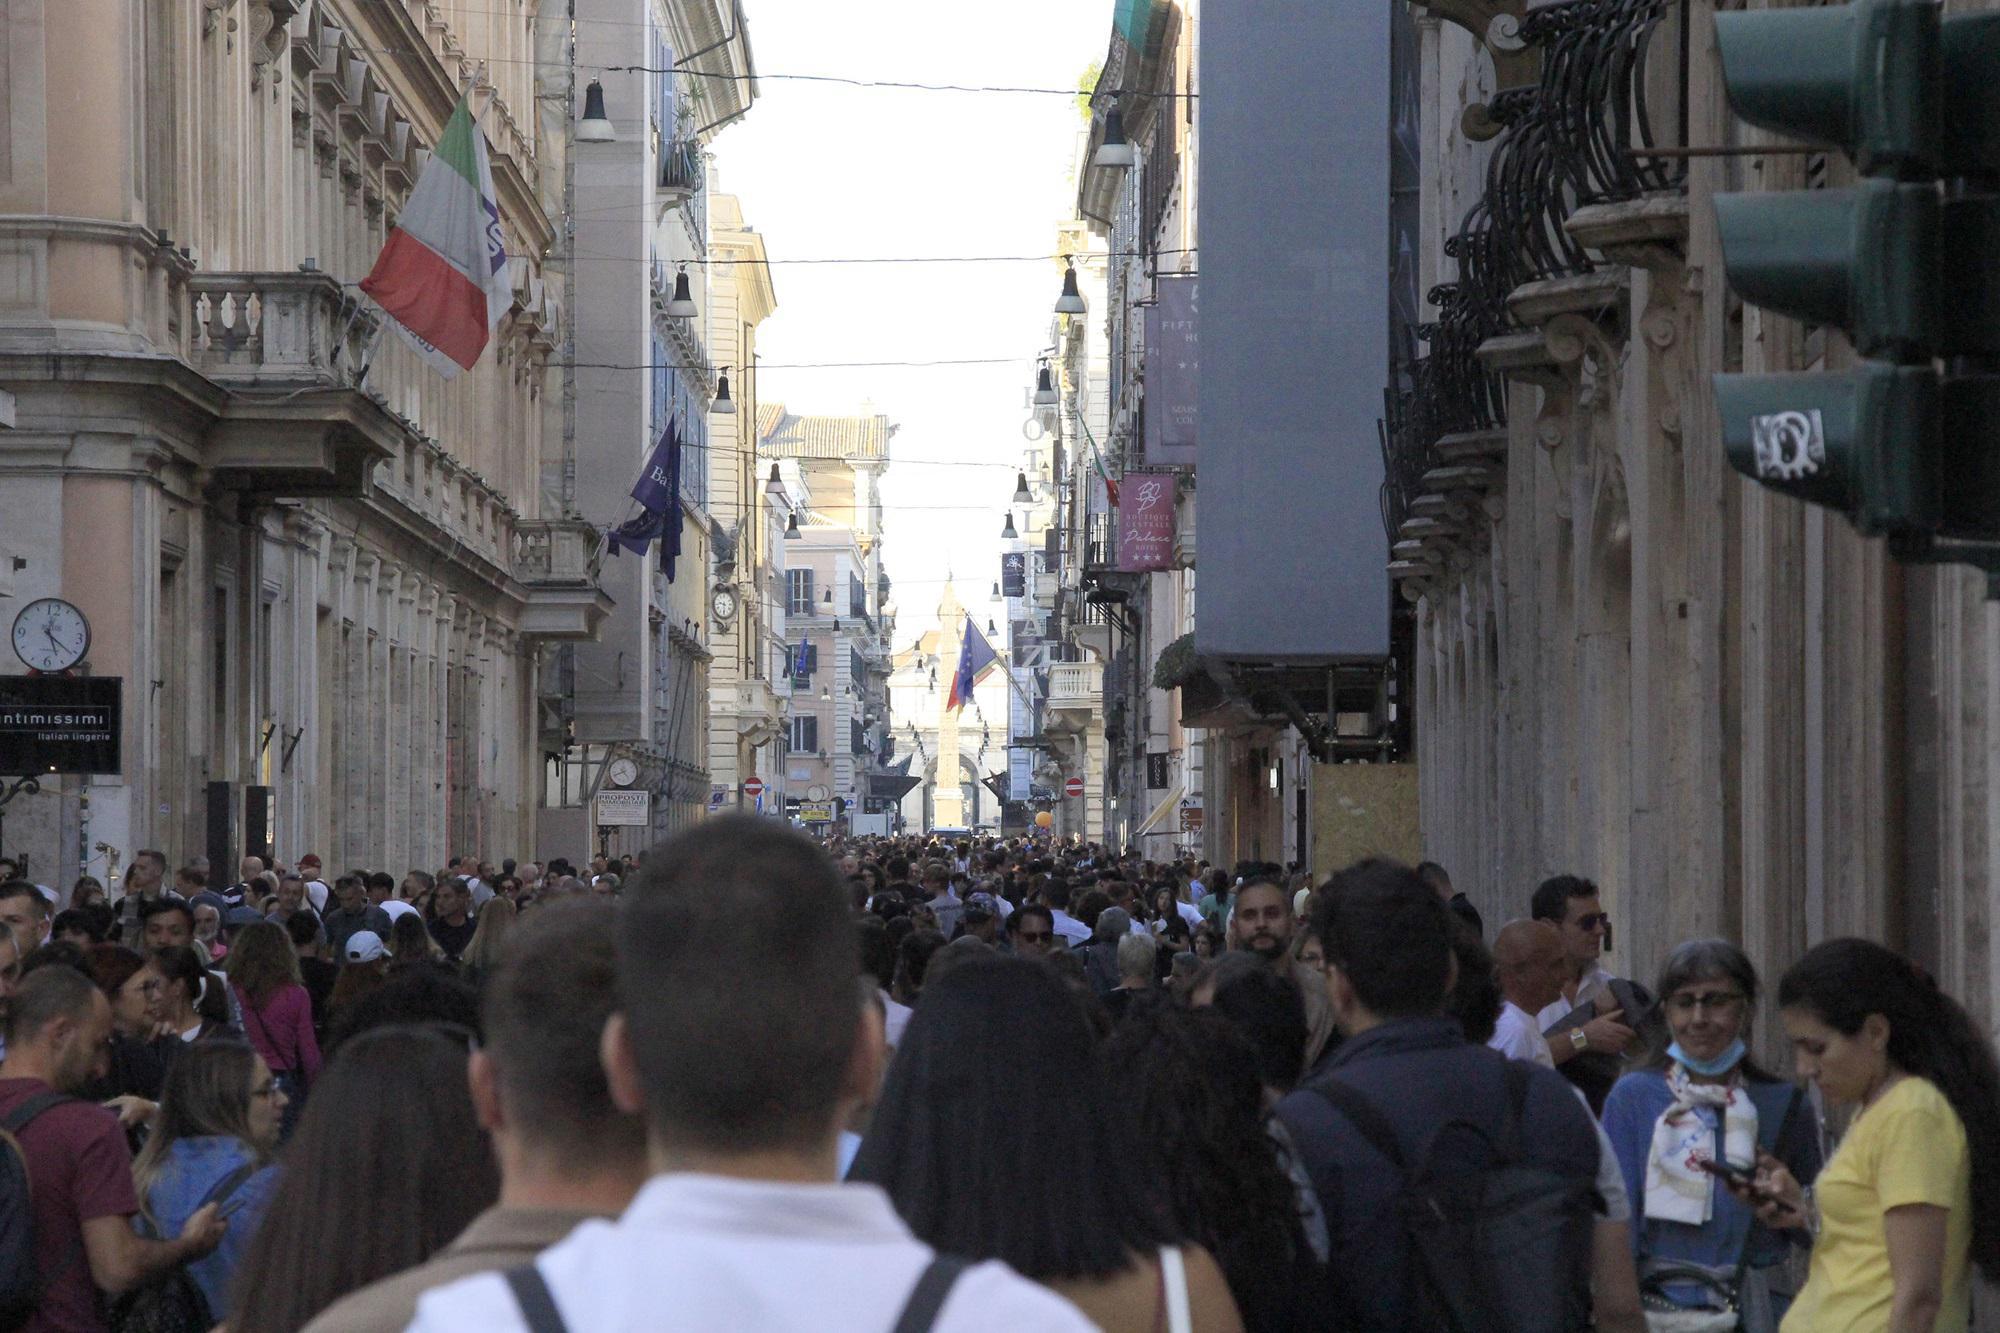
<point x="1911" y="1199"/>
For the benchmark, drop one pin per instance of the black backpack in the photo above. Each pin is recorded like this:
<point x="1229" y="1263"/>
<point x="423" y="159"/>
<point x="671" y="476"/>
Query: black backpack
<point x="20" y="1280"/>
<point x="1499" y="1249"/>
<point x="173" y="1302"/>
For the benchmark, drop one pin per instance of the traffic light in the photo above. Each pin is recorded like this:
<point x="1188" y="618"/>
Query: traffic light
<point x="1906" y="263"/>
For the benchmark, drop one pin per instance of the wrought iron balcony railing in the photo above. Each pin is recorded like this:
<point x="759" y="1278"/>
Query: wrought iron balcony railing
<point x="1580" y="134"/>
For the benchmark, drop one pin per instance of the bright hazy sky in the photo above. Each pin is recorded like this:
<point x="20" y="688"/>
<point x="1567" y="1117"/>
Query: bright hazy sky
<point x="825" y="170"/>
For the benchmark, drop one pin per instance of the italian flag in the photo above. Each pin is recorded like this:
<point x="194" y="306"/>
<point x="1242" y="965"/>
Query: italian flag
<point x="442" y="275"/>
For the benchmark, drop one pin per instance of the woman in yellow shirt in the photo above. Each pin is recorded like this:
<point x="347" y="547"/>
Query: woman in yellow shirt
<point x="1912" y="1196"/>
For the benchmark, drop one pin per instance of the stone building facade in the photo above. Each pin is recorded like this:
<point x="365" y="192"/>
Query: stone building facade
<point x="322" y="571"/>
<point x="1734" y="713"/>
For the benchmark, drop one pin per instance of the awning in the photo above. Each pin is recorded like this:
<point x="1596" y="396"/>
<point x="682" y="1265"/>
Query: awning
<point x="1168" y="804"/>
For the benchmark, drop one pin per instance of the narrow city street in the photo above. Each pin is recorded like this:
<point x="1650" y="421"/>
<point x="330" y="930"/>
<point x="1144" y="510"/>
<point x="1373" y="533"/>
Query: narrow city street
<point x="1153" y="665"/>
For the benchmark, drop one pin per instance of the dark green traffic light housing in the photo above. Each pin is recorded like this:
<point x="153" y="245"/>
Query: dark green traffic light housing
<point x="1855" y="442"/>
<point x="1858" y="77"/>
<point x="1906" y="263"/>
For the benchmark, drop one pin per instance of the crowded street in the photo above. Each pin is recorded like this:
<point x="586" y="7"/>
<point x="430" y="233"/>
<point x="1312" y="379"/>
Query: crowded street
<point x="1165" y="666"/>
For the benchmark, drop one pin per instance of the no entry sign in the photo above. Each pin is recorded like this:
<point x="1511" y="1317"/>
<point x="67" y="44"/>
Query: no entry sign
<point x="1074" y="787"/>
<point x="754" y="788"/>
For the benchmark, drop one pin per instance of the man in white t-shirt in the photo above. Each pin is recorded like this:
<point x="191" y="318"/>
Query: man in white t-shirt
<point x="1529" y="964"/>
<point x="745" y="1226"/>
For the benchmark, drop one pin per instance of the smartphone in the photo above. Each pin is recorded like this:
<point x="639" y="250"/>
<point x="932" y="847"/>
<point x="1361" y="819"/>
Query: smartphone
<point x="1729" y="1171"/>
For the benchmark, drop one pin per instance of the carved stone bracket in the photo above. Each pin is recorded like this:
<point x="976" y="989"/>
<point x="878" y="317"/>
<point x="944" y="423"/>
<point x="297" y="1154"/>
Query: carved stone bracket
<point x="1495" y="25"/>
<point x="269" y="37"/>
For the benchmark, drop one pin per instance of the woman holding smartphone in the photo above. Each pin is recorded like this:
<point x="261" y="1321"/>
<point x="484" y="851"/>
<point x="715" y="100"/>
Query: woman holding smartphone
<point x="212" y="1143"/>
<point x="1702" y="1102"/>
<point x="1911" y="1199"/>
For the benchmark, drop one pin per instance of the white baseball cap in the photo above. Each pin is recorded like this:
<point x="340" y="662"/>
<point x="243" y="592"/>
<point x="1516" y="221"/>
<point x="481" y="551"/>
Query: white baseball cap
<point x="364" y="946"/>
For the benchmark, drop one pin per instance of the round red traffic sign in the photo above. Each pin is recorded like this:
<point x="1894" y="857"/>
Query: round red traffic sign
<point x="1074" y="787"/>
<point x="754" y="788"/>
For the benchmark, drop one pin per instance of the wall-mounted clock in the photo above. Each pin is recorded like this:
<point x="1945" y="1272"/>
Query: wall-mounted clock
<point x="51" y="634"/>
<point x="623" y="773"/>
<point x="723" y="604"/>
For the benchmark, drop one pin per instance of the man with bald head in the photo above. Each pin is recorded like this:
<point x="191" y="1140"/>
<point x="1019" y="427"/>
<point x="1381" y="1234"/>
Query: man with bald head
<point x="1528" y="963"/>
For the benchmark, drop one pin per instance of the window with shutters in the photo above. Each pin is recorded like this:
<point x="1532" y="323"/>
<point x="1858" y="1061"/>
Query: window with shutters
<point x="805" y="735"/>
<point x="799" y="592"/>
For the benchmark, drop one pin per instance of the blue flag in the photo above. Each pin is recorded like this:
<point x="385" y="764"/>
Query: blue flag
<point x="636" y="534"/>
<point x="659" y="484"/>
<point x="658" y="493"/>
<point x="975" y="656"/>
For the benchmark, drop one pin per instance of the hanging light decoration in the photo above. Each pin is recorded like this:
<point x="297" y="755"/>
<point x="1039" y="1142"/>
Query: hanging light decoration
<point x="723" y="402"/>
<point x="1071" y="300"/>
<point x="1021" y="493"/>
<point x="1114" y="151"/>
<point x="1007" y="533"/>
<point x="792" y="527"/>
<point x="776" y="485"/>
<point x="595" y="127"/>
<point x="682" y="306"/>
<point x="1045" y="387"/>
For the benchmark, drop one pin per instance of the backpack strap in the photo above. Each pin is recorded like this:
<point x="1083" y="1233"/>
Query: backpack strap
<point x="18" y="1118"/>
<point x="1516" y="1073"/>
<point x="927" y="1298"/>
<point x="1374" y="1126"/>
<point x="538" y="1306"/>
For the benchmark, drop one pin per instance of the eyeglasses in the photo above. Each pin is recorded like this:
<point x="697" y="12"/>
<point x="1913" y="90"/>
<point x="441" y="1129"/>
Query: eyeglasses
<point x="1716" y="1001"/>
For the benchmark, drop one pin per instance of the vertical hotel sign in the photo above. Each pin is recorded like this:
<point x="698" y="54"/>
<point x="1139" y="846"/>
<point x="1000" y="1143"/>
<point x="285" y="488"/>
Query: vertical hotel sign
<point x="1173" y="374"/>
<point x="1146" y="503"/>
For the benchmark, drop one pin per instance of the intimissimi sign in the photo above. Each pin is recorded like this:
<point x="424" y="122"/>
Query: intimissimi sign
<point x="60" y="724"/>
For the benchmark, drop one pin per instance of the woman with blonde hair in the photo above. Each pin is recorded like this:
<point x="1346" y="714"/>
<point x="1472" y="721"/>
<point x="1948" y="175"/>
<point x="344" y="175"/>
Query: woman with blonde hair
<point x="211" y="1143"/>
<point x="277" y="1010"/>
<point x="496" y="920"/>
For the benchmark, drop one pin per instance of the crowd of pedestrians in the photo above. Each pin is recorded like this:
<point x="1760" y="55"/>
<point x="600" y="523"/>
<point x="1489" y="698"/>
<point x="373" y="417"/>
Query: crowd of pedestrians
<point x="750" y="1081"/>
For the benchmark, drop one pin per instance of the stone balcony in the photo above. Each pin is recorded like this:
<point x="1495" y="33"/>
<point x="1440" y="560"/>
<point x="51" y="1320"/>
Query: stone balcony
<point x="288" y="346"/>
<point x="1076" y="696"/>
<point x="556" y="560"/>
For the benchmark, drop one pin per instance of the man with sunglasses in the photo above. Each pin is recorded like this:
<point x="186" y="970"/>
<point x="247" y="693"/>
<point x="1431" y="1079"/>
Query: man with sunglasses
<point x="1586" y="1026"/>
<point x="1032" y="931"/>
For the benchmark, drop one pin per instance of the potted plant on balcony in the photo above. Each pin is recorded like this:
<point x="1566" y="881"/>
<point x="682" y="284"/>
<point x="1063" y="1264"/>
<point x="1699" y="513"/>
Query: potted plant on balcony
<point x="1179" y="669"/>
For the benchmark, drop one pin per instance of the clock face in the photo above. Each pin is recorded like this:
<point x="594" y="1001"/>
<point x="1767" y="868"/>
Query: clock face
<point x="724" y="605"/>
<point x="51" y="635"/>
<point x="623" y="772"/>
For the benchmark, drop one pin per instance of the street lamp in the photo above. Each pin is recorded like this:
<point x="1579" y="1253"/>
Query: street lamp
<point x="595" y="127"/>
<point x="1022" y="496"/>
<point x="776" y="485"/>
<point x="1114" y="151"/>
<point x="792" y="527"/>
<point x="682" y="305"/>
<point x="1007" y="533"/>
<point x="1045" y="380"/>
<point x="723" y="402"/>
<point x="1071" y="300"/>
